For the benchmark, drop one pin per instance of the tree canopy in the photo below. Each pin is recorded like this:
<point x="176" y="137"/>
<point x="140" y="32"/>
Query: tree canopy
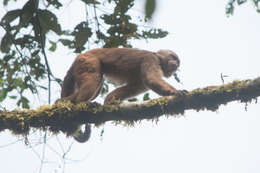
<point x="27" y="29"/>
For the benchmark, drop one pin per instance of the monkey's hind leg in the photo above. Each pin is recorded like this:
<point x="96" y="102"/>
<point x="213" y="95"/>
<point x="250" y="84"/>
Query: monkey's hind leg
<point x="89" y="79"/>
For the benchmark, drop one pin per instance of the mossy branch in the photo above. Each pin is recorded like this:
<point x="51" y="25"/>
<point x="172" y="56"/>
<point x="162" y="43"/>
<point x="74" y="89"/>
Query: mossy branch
<point x="65" y="116"/>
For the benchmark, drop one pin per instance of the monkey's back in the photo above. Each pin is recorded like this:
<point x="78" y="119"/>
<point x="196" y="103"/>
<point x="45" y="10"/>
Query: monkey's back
<point x="120" y="65"/>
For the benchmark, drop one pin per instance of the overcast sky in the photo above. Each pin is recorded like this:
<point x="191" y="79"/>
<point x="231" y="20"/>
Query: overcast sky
<point x="227" y="141"/>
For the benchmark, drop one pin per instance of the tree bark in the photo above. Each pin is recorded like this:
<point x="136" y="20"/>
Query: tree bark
<point x="65" y="116"/>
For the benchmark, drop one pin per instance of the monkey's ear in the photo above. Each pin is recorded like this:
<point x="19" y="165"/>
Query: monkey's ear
<point x="159" y="53"/>
<point x="165" y="52"/>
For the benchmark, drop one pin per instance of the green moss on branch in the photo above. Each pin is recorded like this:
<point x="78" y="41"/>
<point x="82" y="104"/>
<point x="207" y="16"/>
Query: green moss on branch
<point x="65" y="116"/>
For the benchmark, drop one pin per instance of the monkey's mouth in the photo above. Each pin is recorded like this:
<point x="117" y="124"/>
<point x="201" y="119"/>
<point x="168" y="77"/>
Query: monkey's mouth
<point x="169" y="74"/>
<point x="171" y="71"/>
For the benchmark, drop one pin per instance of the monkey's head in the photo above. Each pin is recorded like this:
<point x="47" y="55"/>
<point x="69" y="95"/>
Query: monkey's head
<point x="169" y="62"/>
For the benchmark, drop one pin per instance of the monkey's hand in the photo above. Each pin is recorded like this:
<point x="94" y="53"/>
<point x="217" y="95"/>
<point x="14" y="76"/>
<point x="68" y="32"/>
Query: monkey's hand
<point x="183" y="92"/>
<point x="179" y="92"/>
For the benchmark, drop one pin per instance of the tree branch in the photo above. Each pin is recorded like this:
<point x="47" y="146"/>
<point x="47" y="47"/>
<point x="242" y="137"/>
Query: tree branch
<point x="65" y="116"/>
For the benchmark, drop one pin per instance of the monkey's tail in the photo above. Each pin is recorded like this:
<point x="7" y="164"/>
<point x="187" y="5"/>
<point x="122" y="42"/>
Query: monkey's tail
<point x="83" y="136"/>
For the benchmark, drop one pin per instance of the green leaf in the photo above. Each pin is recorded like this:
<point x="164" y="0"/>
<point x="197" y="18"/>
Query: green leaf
<point x="35" y="53"/>
<point x="58" y="80"/>
<point x="31" y="5"/>
<point x="6" y="43"/>
<point x="230" y="9"/>
<point x="53" y="46"/>
<point x="239" y="2"/>
<point x="67" y="42"/>
<point x="104" y="89"/>
<point x="149" y="8"/>
<point x="18" y="82"/>
<point x="49" y="21"/>
<point x="82" y="32"/>
<point x="43" y="87"/>
<point x="146" y="97"/>
<point x="154" y="33"/>
<point x="24" y="102"/>
<point x="11" y="15"/>
<point x="3" y="94"/>
<point x="132" y="100"/>
<point x="28" y="11"/>
<point x="5" y="2"/>
<point x="90" y="1"/>
<point x="12" y="97"/>
<point x="55" y="3"/>
<point x="25" y="40"/>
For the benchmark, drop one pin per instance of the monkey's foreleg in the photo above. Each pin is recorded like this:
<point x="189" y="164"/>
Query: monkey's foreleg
<point x="124" y="92"/>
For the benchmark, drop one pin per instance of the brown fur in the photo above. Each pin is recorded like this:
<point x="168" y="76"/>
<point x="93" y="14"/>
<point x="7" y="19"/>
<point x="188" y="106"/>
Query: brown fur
<point x="135" y="71"/>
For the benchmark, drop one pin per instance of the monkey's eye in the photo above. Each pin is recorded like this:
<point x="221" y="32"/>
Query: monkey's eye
<point x="176" y="59"/>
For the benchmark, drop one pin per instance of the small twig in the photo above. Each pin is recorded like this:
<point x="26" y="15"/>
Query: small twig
<point x="68" y="150"/>
<point x="43" y="151"/>
<point x="11" y="143"/>
<point x="223" y="78"/>
<point x="44" y="55"/>
<point x="96" y="18"/>
<point x="45" y="59"/>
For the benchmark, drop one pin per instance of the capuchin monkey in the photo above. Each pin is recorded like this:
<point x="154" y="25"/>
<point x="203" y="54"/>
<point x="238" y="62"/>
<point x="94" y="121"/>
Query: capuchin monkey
<point x="134" y="71"/>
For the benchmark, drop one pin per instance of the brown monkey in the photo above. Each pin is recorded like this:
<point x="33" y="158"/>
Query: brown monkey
<point x="135" y="71"/>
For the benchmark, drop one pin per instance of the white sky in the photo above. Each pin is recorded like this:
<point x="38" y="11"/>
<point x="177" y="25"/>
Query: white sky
<point x="208" y="44"/>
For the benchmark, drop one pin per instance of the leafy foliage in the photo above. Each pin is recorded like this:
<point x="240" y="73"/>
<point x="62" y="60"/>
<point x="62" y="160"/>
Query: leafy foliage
<point x="81" y="34"/>
<point x="27" y="32"/>
<point x="231" y="5"/>
<point x="149" y="8"/>
<point x="5" y="2"/>
<point x="91" y="1"/>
